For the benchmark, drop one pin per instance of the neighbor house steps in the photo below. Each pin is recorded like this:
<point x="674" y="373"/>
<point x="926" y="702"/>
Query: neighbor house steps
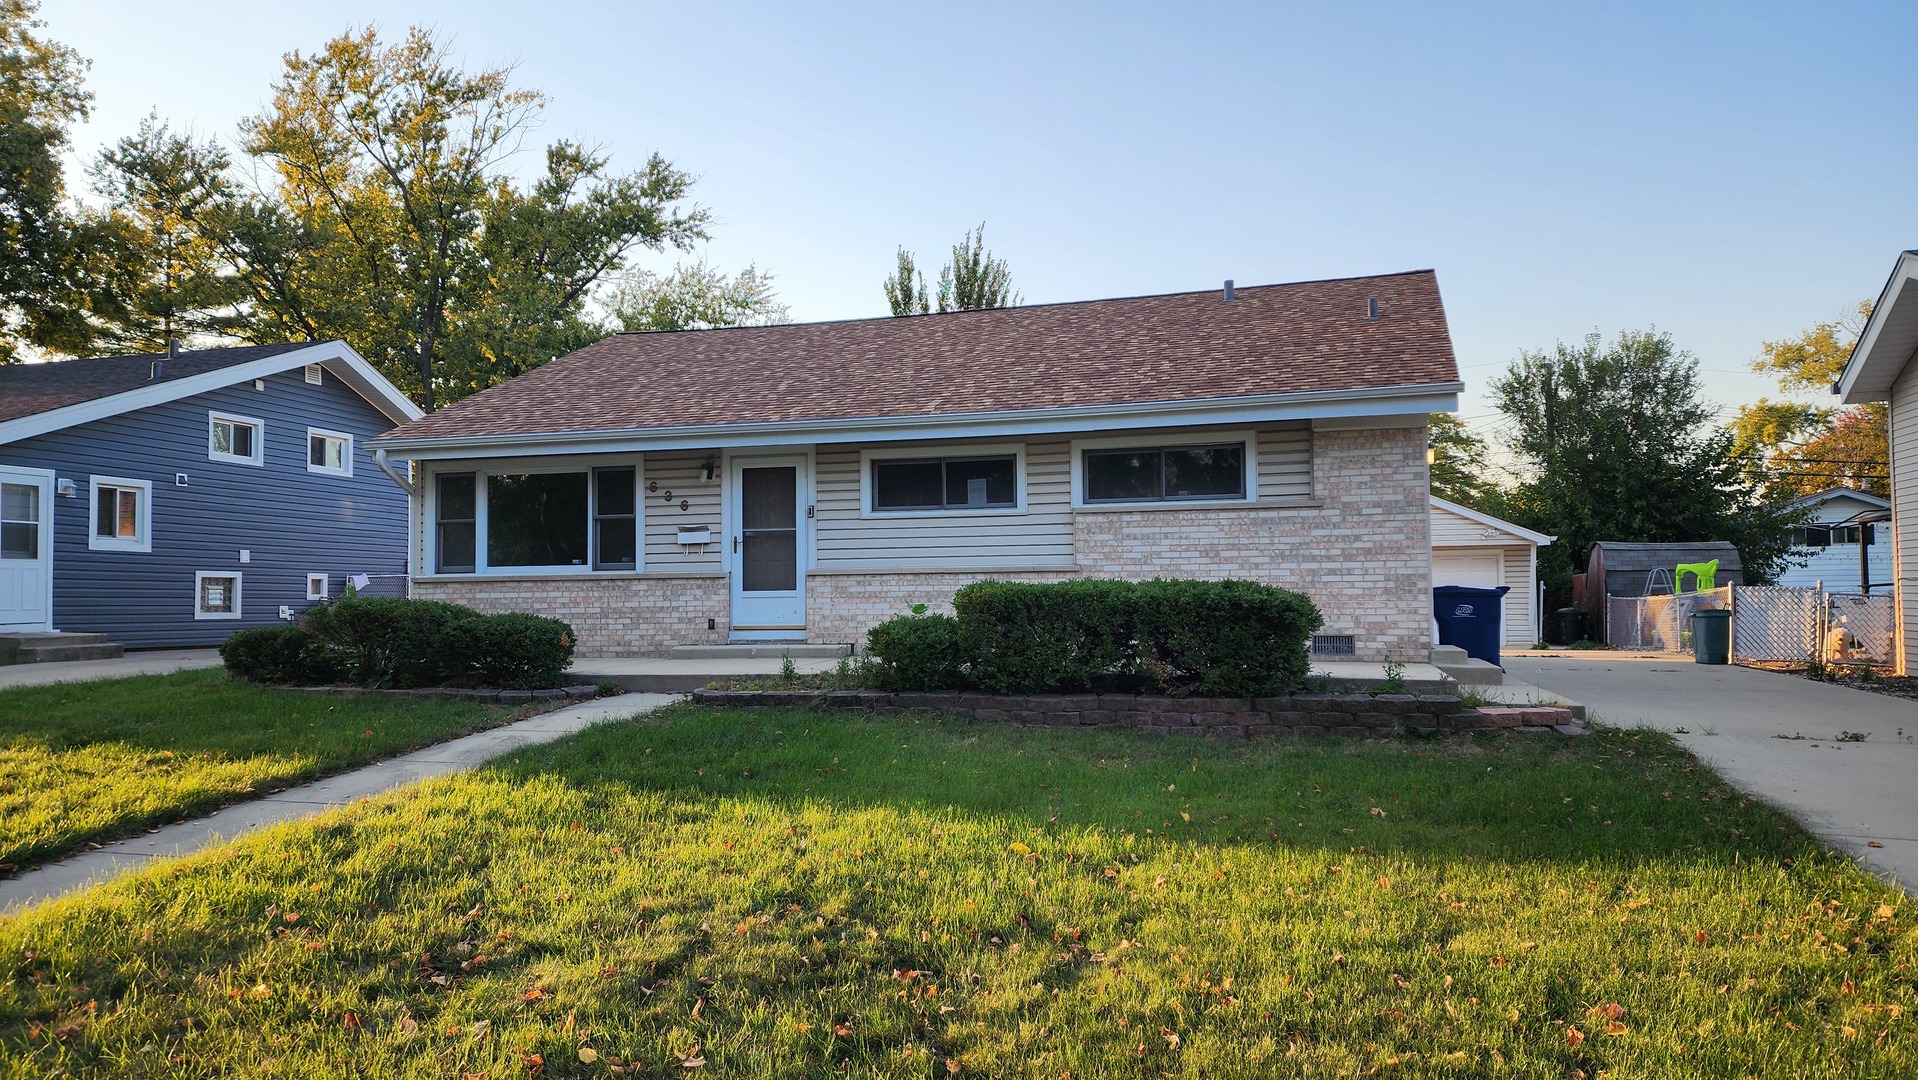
<point x="56" y="648"/>
<point x="1465" y="670"/>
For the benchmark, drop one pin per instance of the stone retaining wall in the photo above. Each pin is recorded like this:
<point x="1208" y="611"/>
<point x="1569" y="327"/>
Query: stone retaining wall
<point x="1295" y="714"/>
<point x="460" y="693"/>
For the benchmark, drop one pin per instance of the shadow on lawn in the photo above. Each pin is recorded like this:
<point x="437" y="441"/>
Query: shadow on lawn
<point x="1629" y="796"/>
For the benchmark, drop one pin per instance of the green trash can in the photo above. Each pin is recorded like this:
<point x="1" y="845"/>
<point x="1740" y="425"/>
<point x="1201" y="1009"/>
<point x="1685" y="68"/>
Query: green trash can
<point x="1712" y="637"/>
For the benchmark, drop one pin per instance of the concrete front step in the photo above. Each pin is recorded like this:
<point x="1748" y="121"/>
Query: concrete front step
<point x="56" y="648"/>
<point x="1473" y="672"/>
<point x="760" y="650"/>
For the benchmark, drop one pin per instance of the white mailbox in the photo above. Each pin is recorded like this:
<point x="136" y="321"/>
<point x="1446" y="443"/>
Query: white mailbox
<point x="695" y="534"/>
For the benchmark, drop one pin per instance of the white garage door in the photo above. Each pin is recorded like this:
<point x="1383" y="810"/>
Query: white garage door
<point x="1476" y="569"/>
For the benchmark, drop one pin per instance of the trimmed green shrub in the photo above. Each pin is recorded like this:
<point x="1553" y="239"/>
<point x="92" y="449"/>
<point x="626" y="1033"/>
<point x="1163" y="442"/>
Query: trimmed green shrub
<point x="1215" y="638"/>
<point x="512" y="650"/>
<point x="1225" y="638"/>
<point x="388" y="641"/>
<point x="916" y="652"/>
<point x="274" y="654"/>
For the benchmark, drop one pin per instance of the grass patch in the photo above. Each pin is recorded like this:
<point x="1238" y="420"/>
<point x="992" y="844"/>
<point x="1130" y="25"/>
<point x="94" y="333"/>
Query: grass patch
<point x="773" y="894"/>
<point x="83" y="762"/>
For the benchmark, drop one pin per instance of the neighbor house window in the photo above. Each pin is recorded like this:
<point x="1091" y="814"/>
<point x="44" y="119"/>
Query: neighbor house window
<point x="238" y="439"/>
<point x="122" y="518"/>
<point x="615" y="519"/>
<point x="1165" y="474"/>
<point x="456" y="525"/>
<point x="536" y="519"/>
<point x="329" y="452"/>
<point x="216" y="595"/>
<point x="956" y="483"/>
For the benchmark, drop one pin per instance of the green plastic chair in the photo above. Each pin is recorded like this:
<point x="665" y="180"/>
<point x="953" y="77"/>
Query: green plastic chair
<point x="1704" y="576"/>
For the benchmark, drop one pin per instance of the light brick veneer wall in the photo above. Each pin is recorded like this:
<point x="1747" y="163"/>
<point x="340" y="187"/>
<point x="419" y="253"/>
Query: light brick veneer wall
<point x="1363" y="554"/>
<point x="842" y="607"/>
<point x="612" y="616"/>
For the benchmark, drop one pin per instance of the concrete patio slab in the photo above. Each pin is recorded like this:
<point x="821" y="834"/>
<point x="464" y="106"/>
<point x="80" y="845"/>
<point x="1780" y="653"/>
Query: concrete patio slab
<point x="458" y="755"/>
<point x="1772" y="735"/>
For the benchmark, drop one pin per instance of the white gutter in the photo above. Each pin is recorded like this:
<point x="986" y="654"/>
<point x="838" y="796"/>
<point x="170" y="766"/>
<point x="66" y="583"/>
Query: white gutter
<point x="379" y="458"/>
<point x="1392" y="401"/>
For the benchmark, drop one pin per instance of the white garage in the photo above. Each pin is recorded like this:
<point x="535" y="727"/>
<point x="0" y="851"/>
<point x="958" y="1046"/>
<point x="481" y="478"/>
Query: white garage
<point x="1484" y="552"/>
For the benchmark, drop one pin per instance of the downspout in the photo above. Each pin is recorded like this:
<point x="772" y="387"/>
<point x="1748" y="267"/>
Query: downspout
<point x="379" y="458"/>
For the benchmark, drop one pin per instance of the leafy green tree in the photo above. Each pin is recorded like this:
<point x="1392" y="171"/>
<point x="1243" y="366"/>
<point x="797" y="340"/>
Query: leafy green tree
<point x="696" y="297"/>
<point x="1618" y="445"/>
<point x="971" y="280"/>
<point x="1801" y="447"/>
<point x="49" y="282"/>
<point x="1460" y="468"/>
<point x="391" y="219"/>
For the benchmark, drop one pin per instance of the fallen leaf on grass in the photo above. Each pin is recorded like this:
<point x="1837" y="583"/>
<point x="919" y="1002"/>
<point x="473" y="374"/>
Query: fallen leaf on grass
<point x="1170" y="1036"/>
<point x="1574" y="1037"/>
<point x="1018" y="849"/>
<point x="588" y="1055"/>
<point x="952" y="1066"/>
<point x="1613" y="1027"/>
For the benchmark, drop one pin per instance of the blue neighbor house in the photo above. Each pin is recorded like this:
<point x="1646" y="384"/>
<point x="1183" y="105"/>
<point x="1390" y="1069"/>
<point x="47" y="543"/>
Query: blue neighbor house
<point x="171" y="499"/>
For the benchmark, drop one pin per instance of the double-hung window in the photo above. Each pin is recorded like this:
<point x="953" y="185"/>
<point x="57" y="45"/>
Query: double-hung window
<point x="240" y="440"/>
<point x="122" y="518"/>
<point x="577" y="518"/>
<point x="1214" y="472"/>
<point x="945" y="483"/>
<point x="329" y="452"/>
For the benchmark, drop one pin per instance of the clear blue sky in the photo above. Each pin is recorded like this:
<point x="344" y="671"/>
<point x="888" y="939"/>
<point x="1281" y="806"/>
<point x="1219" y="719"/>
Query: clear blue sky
<point x="1730" y="172"/>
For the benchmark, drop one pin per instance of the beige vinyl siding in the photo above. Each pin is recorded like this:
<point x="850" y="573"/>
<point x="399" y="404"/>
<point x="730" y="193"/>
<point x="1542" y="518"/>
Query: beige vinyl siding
<point x="1523" y="597"/>
<point x="679" y="472"/>
<point x="1285" y="463"/>
<point x="1904" y="510"/>
<point x="1039" y="538"/>
<point x="1453" y="530"/>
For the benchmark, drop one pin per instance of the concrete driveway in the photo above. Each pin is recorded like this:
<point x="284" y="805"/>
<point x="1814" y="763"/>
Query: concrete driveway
<point x="1747" y="724"/>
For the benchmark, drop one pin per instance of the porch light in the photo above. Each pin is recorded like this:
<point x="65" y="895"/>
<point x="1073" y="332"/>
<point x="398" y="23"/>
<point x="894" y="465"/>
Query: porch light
<point x="710" y="466"/>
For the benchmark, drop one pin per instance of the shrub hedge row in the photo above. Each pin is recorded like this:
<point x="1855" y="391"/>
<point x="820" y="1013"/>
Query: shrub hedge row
<point x="1213" y="638"/>
<point x="402" y="644"/>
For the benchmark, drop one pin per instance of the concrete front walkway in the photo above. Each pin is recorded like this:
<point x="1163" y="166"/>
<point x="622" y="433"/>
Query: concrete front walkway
<point x="458" y="755"/>
<point x="1747" y="725"/>
<point x="157" y="662"/>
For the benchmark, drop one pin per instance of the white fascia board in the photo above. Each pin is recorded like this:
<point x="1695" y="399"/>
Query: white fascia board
<point x="1393" y="401"/>
<point x="335" y="356"/>
<point x="1874" y="355"/>
<point x="1491" y="522"/>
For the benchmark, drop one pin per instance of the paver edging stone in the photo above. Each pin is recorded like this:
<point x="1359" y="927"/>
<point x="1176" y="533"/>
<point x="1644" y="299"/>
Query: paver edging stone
<point x="1358" y="715"/>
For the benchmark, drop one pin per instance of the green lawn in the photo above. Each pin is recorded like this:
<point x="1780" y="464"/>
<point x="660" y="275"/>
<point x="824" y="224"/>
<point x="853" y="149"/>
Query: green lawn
<point x="792" y="894"/>
<point x="82" y="762"/>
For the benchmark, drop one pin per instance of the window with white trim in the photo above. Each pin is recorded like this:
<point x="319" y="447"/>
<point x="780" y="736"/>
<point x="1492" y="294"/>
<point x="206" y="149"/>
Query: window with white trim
<point x="536" y="519"/>
<point x="318" y="586"/>
<point x="1154" y="474"/>
<point x="122" y="514"/>
<point x="329" y="452"/>
<point x="240" y="440"/>
<point x="945" y="483"/>
<point x="216" y="595"/>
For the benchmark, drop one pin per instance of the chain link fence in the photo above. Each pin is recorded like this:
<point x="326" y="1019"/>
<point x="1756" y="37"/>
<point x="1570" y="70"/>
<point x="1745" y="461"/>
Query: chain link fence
<point x="1768" y="623"/>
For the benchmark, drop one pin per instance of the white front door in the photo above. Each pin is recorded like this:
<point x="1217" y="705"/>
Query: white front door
<point x="766" y="509"/>
<point x="26" y="549"/>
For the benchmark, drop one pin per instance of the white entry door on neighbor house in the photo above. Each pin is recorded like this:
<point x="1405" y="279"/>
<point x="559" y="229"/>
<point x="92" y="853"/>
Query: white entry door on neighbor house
<point x="26" y="549"/>
<point x="766" y="512"/>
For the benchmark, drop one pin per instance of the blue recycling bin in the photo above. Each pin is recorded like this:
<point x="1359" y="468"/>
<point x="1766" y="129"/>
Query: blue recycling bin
<point x="1470" y="619"/>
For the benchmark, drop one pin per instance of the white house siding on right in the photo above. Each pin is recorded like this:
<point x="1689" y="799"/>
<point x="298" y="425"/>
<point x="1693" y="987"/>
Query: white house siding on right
<point x="1904" y="509"/>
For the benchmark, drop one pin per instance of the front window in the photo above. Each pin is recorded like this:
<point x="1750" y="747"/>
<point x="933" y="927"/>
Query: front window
<point x="329" y="452"/>
<point x="1165" y="474"/>
<point x="456" y="525"/>
<point x="236" y="439"/>
<point x="536" y="519"/>
<point x="976" y="483"/>
<point x="615" y="519"/>
<point x="122" y="515"/>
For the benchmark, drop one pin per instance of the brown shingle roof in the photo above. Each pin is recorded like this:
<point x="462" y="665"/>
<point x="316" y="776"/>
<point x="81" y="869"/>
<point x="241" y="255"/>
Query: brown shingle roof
<point x="1275" y="339"/>
<point x="31" y="389"/>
